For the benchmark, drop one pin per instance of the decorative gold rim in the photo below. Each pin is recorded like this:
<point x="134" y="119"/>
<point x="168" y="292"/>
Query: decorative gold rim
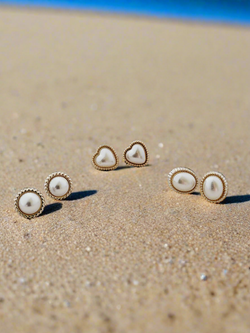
<point x="20" y="212"/>
<point x="105" y="168"/>
<point x="129" y="148"/>
<point x="178" y="170"/>
<point x="224" y="182"/>
<point x="48" y="180"/>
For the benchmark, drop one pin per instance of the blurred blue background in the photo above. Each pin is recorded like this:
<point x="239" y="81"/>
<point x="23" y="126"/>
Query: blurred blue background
<point x="224" y="11"/>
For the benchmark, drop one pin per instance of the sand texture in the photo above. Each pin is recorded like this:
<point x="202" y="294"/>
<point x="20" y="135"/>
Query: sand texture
<point x="124" y="253"/>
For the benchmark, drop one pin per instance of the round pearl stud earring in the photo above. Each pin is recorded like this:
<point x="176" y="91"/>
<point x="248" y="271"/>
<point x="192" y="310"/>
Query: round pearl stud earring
<point x="182" y="180"/>
<point x="105" y="159"/>
<point x="29" y="203"/>
<point x="58" y="185"/>
<point x="136" y="154"/>
<point x="214" y="187"/>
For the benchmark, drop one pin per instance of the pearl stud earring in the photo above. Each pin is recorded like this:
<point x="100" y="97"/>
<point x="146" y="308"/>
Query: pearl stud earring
<point x="214" y="187"/>
<point x="182" y="180"/>
<point x="136" y="154"/>
<point x="29" y="203"/>
<point x="58" y="185"/>
<point x="105" y="159"/>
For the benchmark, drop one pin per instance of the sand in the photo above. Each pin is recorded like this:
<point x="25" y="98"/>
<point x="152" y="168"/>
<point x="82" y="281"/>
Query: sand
<point x="124" y="253"/>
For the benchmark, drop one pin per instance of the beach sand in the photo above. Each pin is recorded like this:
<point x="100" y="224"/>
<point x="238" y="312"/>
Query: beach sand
<point x="125" y="253"/>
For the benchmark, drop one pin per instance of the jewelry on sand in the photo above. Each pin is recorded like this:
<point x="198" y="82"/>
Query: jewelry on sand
<point x="136" y="154"/>
<point x="58" y="185"/>
<point x="214" y="187"/>
<point x="105" y="159"/>
<point x="29" y="203"/>
<point x="182" y="180"/>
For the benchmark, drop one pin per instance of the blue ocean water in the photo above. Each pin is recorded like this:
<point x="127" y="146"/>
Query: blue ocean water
<point x="229" y="11"/>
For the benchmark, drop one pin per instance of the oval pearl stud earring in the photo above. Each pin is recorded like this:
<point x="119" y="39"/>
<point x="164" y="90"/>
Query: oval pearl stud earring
<point x="214" y="187"/>
<point x="29" y="203"/>
<point x="58" y="185"/>
<point x="182" y="180"/>
<point x="105" y="159"/>
<point x="136" y="154"/>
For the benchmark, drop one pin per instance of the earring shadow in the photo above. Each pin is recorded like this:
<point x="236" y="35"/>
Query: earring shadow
<point x="80" y="195"/>
<point x="123" y="167"/>
<point x="129" y="167"/>
<point x="236" y="199"/>
<point x="232" y="199"/>
<point x="195" y="193"/>
<point x="51" y="208"/>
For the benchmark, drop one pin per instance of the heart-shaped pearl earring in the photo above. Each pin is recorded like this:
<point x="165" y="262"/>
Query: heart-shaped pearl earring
<point x="58" y="185"/>
<point x="182" y="180"/>
<point x="105" y="159"/>
<point x="29" y="203"/>
<point x="214" y="187"/>
<point x="136" y="154"/>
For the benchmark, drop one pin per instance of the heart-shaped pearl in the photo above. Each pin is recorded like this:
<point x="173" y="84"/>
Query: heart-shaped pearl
<point x="136" y="154"/>
<point x="105" y="159"/>
<point x="29" y="203"/>
<point x="214" y="187"/>
<point x="182" y="180"/>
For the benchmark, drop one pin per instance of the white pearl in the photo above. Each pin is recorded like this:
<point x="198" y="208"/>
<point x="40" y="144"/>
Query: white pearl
<point x="105" y="158"/>
<point x="136" y="154"/>
<point x="30" y="203"/>
<point x="213" y="187"/>
<point x="59" y="186"/>
<point x="183" y="181"/>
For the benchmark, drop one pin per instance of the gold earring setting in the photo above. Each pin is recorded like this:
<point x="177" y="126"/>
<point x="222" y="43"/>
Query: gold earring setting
<point x="105" y="159"/>
<point x="136" y="154"/>
<point x="214" y="187"/>
<point x="58" y="185"/>
<point x="182" y="180"/>
<point x="29" y="203"/>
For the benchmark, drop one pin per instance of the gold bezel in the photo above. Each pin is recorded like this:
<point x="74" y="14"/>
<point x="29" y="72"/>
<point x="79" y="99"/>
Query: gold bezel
<point x="18" y="209"/>
<point x="105" y="168"/>
<point x="178" y="170"/>
<point x="129" y="148"/>
<point x="48" y="180"/>
<point x="224" y="182"/>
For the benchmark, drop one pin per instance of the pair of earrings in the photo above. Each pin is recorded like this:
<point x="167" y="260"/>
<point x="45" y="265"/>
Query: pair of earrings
<point x="106" y="158"/>
<point x="213" y="186"/>
<point x="30" y="202"/>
